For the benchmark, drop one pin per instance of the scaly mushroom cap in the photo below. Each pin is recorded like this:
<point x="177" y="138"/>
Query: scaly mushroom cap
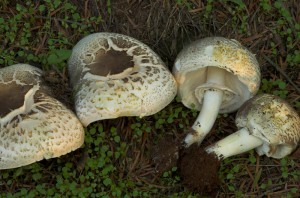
<point x="115" y="75"/>
<point x="33" y="125"/>
<point x="274" y="121"/>
<point x="242" y="78"/>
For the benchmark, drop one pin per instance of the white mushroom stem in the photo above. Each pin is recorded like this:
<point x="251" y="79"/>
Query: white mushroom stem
<point x="234" y="144"/>
<point x="212" y="101"/>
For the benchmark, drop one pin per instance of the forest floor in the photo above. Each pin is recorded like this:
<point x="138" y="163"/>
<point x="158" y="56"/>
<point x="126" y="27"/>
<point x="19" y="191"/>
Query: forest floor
<point x="120" y="157"/>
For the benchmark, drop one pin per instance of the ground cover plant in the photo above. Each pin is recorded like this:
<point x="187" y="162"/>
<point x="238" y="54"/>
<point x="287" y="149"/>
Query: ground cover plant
<point x="123" y="157"/>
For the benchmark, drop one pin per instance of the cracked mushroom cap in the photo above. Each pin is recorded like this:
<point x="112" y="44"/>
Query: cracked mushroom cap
<point x="33" y="125"/>
<point x="272" y="120"/>
<point x="242" y="78"/>
<point x="114" y="75"/>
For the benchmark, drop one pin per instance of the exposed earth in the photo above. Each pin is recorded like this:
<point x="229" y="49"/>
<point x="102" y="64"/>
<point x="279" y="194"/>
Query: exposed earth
<point x="199" y="170"/>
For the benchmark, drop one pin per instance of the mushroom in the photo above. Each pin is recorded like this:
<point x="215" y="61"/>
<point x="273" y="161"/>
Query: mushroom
<point x="33" y="125"/>
<point x="266" y="123"/>
<point x="114" y="75"/>
<point x="214" y="75"/>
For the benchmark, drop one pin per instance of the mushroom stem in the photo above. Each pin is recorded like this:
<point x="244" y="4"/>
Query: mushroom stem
<point x="212" y="101"/>
<point x="236" y="143"/>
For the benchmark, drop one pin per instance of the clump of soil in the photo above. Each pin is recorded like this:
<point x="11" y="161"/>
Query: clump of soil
<point x="199" y="170"/>
<point x="165" y="154"/>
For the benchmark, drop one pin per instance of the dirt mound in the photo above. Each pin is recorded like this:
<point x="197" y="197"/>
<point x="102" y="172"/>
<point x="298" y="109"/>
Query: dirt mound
<point x="199" y="170"/>
<point x="165" y="154"/>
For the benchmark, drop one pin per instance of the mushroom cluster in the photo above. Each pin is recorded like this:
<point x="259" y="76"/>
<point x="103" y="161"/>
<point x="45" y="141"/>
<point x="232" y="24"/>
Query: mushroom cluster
<point x="114" y="75"/>
<point x="214" y="75"/>
<point x="266" y="123"/>
<point x="33" y="125"/>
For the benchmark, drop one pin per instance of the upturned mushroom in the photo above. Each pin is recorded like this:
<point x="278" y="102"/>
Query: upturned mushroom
<point x="214" y="75"/>
<point x="33" y="125"/>
<point x="267" y="124"/>
<point x="114" y="75"/>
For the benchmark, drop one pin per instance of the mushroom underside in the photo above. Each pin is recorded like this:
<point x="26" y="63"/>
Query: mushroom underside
<point x="236" y="93"/>
<point x="218" y="91"/>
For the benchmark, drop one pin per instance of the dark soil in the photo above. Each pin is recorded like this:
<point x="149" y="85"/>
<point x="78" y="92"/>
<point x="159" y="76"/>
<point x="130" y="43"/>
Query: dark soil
<point x="199" y="170"/>
<point x="165" y="154"/>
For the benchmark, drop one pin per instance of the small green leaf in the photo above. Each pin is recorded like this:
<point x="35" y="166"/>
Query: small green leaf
<point x="53" y="59"/>
<point x="252" y="159"/>
<point x="36" y="176"/>
<point x="283" y="162"/>
<point x="166" y="174"/>
<point x="92" y="131"/>
<point x="285" y="174"/>
<point x="230" y="176"/>
<point x="107" y="181"/>
<point x="58" y="56"/>
<point x="117" y="139"/>
<point x="18" y="172"/>
<point x="239" y="2"/>
<point x="236" y="168"/>
<point x="174" y="169"/>
<point x="263" y="186"/>
<point x="56" y="3"/>
<point x="294" y="190"/>
<point x="42" y="8"/>
<point x="231" y="188"/>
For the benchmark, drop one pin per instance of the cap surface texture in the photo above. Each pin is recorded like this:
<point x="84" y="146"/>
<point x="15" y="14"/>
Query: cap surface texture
<point x="33" y="124"/>
<point x="274" y="121"/>
<point x="114" y="75"/>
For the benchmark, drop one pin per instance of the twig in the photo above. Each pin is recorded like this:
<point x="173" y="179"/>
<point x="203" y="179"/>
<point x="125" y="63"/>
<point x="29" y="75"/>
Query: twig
<point x="58" y="72"/>
<point x="154" y="185"/>
<point x="135" y="162"/>
<point x="283" y="73"/>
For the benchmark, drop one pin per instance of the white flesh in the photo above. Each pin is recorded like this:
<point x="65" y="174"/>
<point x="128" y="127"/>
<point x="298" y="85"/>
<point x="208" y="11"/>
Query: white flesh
<point x="234" y="144"/>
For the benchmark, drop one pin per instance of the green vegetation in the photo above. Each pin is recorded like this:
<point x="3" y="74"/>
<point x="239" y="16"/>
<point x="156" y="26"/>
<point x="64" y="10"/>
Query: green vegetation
<point x="32" y="33"/>
<point x="115" y="160"/>
<point x="275" y="87"/>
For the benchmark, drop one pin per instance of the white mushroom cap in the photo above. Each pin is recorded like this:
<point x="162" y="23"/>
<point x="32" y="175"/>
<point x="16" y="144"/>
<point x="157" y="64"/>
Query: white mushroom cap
<point x="266" y="123"/>
<point x="33" y="125"/>
<point x="242" y="78"/>
<point x="214" y="75"/>
<point x="115" y="75"/>
<point x="272" y="120"/>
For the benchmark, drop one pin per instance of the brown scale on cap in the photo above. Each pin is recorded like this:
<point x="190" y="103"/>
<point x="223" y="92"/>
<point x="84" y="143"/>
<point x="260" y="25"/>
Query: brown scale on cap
<point x="114" y="75"/>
